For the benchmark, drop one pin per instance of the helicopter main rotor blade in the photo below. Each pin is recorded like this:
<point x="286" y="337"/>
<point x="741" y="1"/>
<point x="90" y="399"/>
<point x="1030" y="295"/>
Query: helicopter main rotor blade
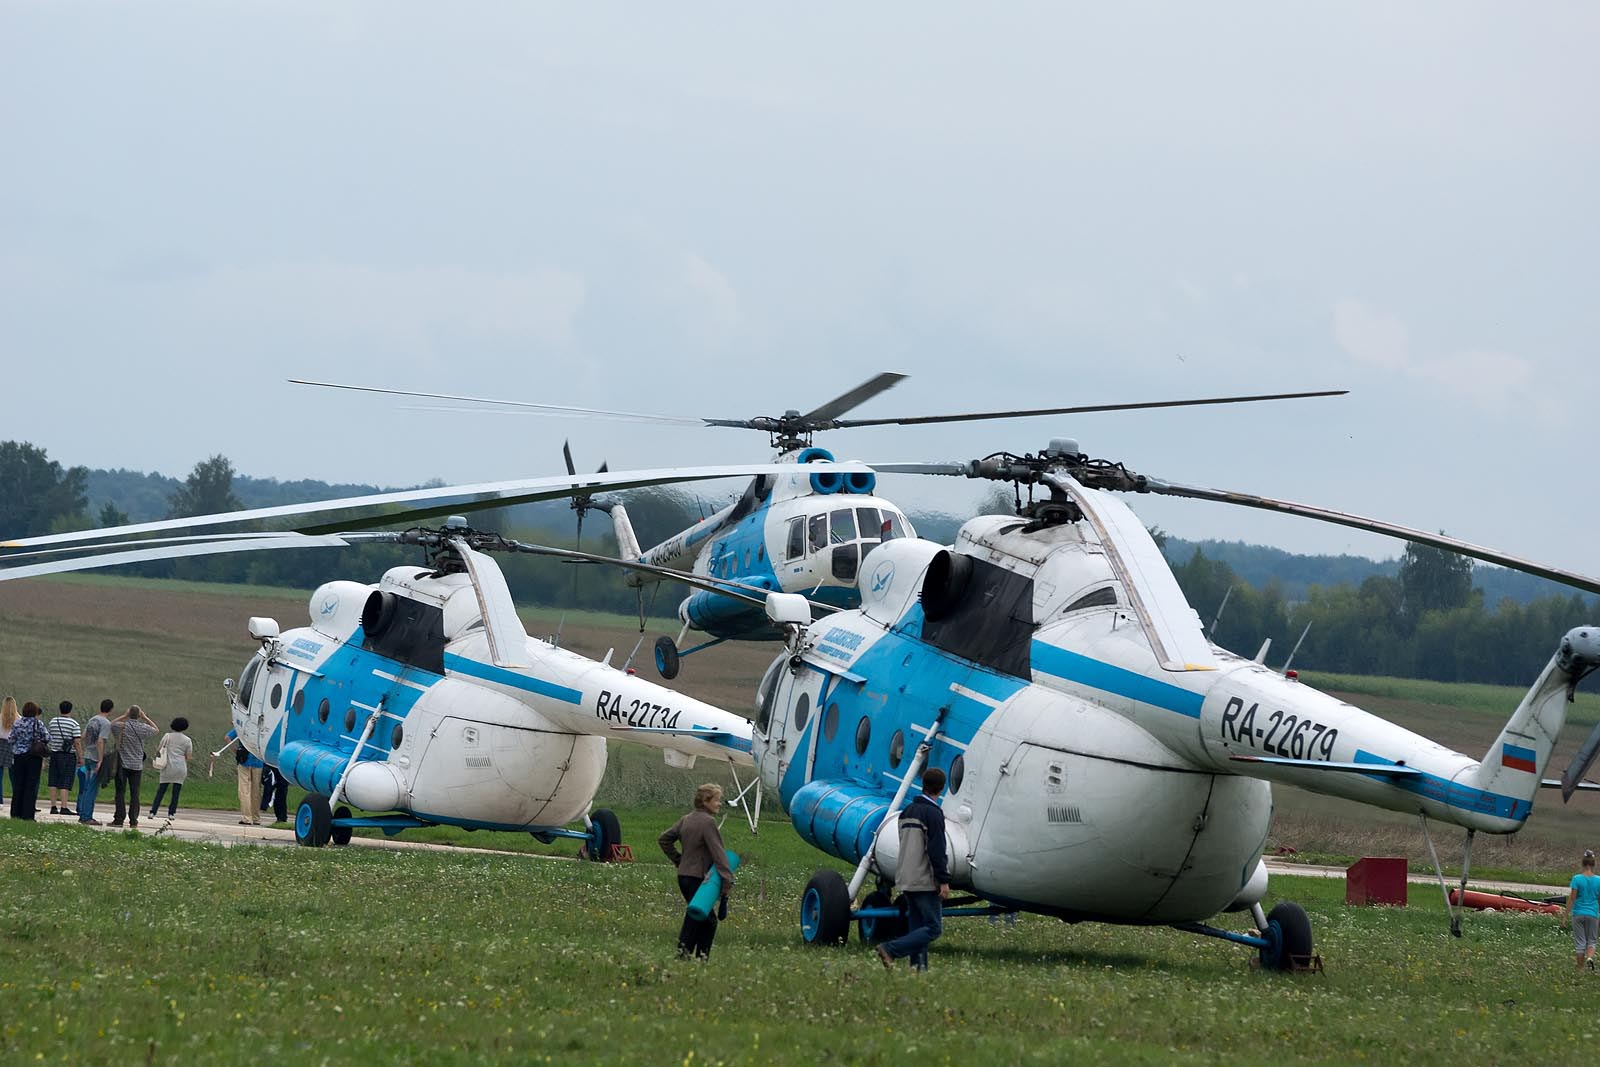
<point x="854" y="398"/>
<point x="171" y="551"/>
<point x="921" y="420"/>
<point x="529" y="406"/>
<point x="954" y="470"/>
<point x="749" y="594"/>
<point x="1359" y="522"/>
<point x="488" y="494"/>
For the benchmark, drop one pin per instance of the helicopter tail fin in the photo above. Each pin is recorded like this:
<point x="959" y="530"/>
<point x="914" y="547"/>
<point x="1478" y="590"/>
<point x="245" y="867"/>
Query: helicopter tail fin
<point x="1514" y="764"/>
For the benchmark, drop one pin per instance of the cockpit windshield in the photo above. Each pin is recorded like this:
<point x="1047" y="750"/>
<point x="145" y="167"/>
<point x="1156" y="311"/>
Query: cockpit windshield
<point x="247" y="680"/>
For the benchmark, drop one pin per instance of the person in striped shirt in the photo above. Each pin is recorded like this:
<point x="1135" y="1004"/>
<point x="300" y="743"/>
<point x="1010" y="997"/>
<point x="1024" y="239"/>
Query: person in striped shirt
<point x="66" y="749"/>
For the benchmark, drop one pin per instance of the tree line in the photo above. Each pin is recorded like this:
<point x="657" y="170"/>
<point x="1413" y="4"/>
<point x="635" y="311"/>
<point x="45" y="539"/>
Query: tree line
<point x="1428" y="619"/>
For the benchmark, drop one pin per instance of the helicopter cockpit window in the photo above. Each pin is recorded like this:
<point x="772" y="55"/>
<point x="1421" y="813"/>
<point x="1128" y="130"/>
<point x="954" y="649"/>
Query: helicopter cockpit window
<point x="819" y="532"/>
<point x="1104" y="597"/>
<point x="797" y="539"/>
<point x="869" y="524"/>
<point x="247" y="680"/>
<point x="842" y="525"/>
<point x="767" y="694"/>
<point x="846" y="562"/>
<point x="894" y="525"/>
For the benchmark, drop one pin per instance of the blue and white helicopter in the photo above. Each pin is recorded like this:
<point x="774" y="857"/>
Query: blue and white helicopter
<point x="420" y="700"/>
<point x="1106" y="762"/>
<point x="803" y="531"/>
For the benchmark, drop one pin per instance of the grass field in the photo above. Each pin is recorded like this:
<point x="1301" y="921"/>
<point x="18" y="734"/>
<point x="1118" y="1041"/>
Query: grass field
<point x="117" y="949"/>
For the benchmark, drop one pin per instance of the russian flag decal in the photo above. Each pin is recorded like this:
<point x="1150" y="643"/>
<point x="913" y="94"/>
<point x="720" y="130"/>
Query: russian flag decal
<point x="1518" y="759"/>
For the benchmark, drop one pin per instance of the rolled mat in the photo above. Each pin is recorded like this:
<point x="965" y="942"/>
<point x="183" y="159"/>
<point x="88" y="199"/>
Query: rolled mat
<point x="704" y="901"/>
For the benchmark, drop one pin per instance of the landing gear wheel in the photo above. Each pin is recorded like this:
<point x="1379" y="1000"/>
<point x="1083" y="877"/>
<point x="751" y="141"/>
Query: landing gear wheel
<point x="825" y="910"/>
<point x="313" y="822"/>
<point x="875" y="931"/>
<point x="1289" y="935"/>
<point x="340" y="835"/>
<point x="604" y="831"/>
<point x="667" y="658"/>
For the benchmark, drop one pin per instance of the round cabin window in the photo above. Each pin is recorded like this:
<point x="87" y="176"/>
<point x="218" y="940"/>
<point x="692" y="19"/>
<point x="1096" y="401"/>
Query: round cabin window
<point x="322" y="710"/>
<point x="349" y="719"/>
<point x="299" y="702"/>
<point x="277" y="694"/>
<point x="897" y="749"/>
<point x="863" y="735"/>
<point x="830" y="722"/>
<point x="958" y="770"/>
<point x="397" y="736"/>
<point x="802" y="711"/>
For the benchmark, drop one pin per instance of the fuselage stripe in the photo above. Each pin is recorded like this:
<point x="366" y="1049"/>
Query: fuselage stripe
<point x="490" y="673"/>
<point x="1117" y="681"/>
<point x="1451" y="794"/>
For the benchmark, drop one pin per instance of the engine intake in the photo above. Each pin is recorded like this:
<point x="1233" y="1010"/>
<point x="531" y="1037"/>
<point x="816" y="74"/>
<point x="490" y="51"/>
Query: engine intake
<point x="945" y="584"/>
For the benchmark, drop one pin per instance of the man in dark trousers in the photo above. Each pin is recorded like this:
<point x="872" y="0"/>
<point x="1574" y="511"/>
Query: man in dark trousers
<point x="924" y="875"/>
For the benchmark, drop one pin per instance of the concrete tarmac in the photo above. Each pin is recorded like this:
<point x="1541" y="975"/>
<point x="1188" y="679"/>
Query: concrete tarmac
<point x="213" y="827"/>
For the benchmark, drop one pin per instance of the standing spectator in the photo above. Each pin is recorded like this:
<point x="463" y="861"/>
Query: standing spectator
<point x="65" y="750"/>
<point x="8" y="719"/>
<point x="29" y="743"/>
<point x="137" y="728"/>
<point x="173" y="753"/>
<point x="702" y="850"/>
<point x="924" y="875"/>
<point x="1583" y="911"/>
<point x="275" y="793"/>
<point x="96" y="739"/>
<point x="249" y="779"/>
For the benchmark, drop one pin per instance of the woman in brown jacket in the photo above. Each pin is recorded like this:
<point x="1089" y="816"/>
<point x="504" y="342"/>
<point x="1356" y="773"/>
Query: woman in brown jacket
<point x="702" y="850"/>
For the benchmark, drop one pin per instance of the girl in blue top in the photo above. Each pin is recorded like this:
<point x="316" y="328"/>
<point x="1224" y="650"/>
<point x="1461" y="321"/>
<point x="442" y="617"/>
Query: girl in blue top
<point x="1583" y="908"/>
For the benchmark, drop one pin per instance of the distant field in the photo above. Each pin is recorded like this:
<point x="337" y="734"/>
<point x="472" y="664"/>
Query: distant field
<point x="122" y="949"/>
<point x="167" y="646"/>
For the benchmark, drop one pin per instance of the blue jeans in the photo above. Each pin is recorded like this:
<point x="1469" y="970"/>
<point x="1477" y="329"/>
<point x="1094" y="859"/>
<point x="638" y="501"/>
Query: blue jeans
<point x="923" y="914"/>
<point x="88" y="789"/>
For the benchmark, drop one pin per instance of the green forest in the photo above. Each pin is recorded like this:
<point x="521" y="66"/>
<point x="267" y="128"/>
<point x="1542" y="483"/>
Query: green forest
<point x="1429" y="614"/>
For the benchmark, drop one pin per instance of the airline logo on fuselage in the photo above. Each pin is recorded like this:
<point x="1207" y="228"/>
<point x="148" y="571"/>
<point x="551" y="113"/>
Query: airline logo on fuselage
<point x="883" y="577"/>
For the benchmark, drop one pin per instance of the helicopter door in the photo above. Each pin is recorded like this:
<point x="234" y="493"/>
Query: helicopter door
<point x="783" y="711"/>
<point x="250" y="699"/>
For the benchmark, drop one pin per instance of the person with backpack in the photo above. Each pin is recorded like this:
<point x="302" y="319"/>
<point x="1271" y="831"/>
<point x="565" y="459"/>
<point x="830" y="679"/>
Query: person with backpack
<point x="29" y="743"/>
<point x="65" y="750"/>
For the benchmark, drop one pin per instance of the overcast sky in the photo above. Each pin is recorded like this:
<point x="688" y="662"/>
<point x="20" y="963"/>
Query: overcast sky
<point x="730" y="211"/>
